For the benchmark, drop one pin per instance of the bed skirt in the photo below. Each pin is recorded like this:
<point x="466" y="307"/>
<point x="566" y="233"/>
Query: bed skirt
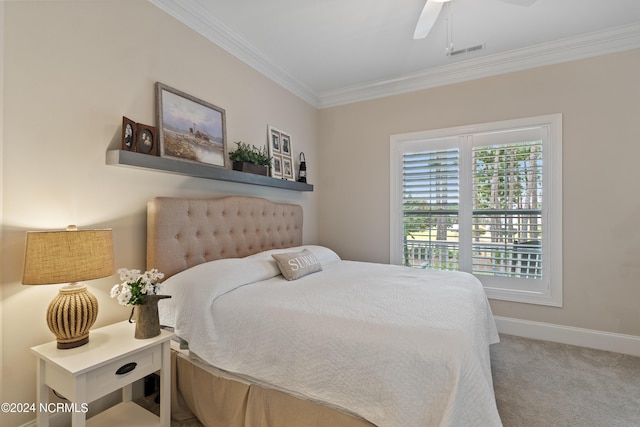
<point x="220" y="400"/>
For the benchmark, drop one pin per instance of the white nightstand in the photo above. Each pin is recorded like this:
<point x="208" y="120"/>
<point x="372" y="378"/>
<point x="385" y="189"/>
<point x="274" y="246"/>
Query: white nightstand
<point x="86" y="373"/>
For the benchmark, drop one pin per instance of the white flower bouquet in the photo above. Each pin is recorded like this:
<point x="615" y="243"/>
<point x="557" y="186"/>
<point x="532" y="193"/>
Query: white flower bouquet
<point x="136" y="286"/>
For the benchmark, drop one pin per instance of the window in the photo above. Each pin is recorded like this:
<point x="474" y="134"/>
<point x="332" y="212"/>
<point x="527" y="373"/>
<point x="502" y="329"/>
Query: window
<point x="485" y="199"/>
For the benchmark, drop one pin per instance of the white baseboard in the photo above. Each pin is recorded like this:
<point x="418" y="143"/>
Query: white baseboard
<point x="63" y="419"/>
<point x="608" y="341"/>
<point x="55" y="420"/>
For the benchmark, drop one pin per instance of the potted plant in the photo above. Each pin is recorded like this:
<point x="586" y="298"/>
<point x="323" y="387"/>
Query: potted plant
<point x="249" y="158"/>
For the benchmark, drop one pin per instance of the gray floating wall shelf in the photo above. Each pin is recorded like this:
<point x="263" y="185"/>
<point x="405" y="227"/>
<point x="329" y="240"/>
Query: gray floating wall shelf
<point x="199" y="170"/>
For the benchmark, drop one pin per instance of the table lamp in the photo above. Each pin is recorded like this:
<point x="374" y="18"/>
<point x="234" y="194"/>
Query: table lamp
<point x="69" y="257"/>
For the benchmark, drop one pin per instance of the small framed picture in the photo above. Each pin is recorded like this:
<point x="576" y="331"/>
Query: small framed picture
<point x="274" y="141"/>
<point x="276" y="168"/>
<point x="146" y="141"/>
<point x="286" y="145"/>
<point x="287" y="168"/>
<point x="281" y="151"/>
<point x="129" y="132"/>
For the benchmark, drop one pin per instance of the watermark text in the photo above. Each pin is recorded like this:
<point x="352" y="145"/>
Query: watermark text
<point x="49" y="408"/>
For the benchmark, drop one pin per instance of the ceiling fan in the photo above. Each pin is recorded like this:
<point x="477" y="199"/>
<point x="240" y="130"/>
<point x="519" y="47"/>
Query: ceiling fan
<point x="432" y="9"/>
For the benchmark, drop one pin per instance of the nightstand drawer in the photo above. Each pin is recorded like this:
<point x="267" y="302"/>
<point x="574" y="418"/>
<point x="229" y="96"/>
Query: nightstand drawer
<point x="122" y="371"/>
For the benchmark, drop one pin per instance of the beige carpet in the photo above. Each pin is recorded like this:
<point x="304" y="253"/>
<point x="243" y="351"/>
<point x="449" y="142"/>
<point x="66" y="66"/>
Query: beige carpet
<point x="542" y="384"/>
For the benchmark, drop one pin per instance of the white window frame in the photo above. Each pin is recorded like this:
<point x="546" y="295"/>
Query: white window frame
<point x="547" y="291"/>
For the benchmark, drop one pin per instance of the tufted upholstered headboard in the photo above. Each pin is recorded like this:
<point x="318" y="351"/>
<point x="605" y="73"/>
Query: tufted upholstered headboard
<point x="185" y="232"/>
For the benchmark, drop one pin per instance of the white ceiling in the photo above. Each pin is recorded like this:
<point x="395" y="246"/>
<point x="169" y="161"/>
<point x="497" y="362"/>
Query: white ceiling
<point x="332" y="52"/>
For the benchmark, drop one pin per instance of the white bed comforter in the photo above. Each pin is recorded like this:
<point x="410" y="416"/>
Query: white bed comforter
<point x="399" y="347"/>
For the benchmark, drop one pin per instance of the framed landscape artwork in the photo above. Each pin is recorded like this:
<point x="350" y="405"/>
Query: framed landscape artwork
<point x="281" y="152"/>
<point x="189" y="128"/>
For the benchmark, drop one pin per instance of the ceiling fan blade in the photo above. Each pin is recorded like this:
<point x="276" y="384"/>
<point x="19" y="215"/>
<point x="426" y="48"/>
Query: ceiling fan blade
<point x="520" y="2"/>
<point x="427" y="19"/>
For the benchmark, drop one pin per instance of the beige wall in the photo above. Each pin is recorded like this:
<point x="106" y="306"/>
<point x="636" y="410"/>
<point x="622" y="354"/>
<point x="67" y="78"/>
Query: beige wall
<point x="599" y="101"/>
<point x="72" y="69"/>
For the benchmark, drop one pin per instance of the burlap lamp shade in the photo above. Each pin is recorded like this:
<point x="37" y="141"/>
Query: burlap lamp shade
<point x="69" y="257"/>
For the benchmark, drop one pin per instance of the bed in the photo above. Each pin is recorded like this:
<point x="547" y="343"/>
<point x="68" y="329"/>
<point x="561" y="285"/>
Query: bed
<point x="285" y="334"/>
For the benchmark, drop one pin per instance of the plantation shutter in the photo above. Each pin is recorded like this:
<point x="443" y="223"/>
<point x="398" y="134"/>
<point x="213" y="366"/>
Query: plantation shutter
<point x="507" y="204"/>
<point x="504" y="237"/>
<point x="430" y="205"/>
<point x="484" y="199"/>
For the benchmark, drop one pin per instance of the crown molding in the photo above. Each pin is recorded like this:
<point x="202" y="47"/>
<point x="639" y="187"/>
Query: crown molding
<point x="204" y="23"/>
<point x="556" y="52"/>
<point x="559" y="51"/>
